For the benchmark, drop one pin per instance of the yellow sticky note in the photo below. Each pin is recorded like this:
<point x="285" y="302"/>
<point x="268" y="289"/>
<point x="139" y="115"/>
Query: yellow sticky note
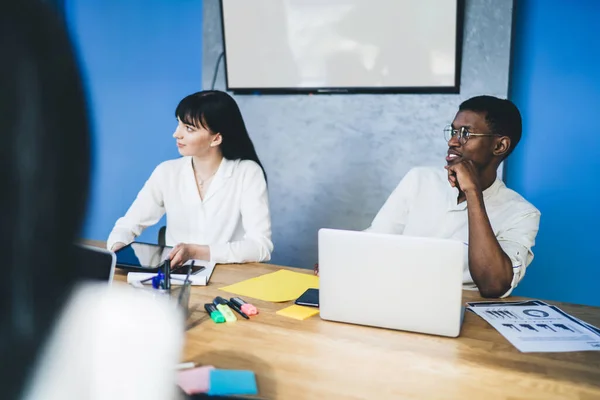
<point x="298" y="312"/>
<point x="279" y="286"/>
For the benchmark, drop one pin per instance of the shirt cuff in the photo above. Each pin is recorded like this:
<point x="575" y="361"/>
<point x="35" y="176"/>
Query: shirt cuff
<point x="239" y="252"/>
<point x="518" y="269"/>
<point x="116" y="237"/>
<point x="520" y="258"/>
<point x="218" y="253"/>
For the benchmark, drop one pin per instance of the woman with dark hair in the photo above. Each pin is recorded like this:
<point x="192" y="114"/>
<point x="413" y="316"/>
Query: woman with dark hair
<point x="61" y="338"/>
<point x="215" y="196"/>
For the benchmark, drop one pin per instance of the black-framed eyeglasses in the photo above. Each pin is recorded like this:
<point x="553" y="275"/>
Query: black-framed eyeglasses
<point x="462" y="134"/>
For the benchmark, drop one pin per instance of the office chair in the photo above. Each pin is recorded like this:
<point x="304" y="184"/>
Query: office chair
<point x="161" y="235"/>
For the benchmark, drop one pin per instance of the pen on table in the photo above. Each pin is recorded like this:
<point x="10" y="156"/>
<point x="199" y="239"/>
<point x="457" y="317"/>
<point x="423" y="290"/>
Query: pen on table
<point x="153" y="277"/>
<point x="185" y="281"/>
<point x="237" y="309"/>
<point x="189" y="271"/>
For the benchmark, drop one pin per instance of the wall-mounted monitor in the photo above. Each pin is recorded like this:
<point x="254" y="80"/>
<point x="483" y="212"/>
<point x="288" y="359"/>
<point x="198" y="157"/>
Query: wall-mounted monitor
<point x="343" y="46"/>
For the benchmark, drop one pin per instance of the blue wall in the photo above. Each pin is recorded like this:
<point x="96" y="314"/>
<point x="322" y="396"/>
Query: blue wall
<point x="556" y="85"/>
<point x="140" y="57"/>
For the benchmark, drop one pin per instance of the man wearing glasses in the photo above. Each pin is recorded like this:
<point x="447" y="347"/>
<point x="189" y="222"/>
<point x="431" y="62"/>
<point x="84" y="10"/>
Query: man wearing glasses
<point x="467" y="201"/>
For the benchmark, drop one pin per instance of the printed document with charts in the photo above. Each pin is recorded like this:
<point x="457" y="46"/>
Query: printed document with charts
<point x="534" y="326"/>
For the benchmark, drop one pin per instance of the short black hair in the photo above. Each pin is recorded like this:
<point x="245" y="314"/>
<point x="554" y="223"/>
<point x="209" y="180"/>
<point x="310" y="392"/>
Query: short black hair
<point x="502" y="116"/>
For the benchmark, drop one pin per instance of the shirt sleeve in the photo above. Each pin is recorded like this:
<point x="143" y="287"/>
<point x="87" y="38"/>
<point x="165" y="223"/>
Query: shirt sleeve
<point x="256" y="220"/>
<point x="392" y="217"/>
<point x="517" y="241"/>
<point x="147" y="209"/>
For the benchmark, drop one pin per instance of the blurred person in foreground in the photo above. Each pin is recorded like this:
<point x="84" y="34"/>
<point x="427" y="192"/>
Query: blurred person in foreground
<point x="61" y="338"/>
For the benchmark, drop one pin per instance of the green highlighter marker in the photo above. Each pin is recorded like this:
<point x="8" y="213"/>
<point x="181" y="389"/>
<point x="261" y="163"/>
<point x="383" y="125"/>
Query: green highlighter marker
<point x="215" y="315"/>
<point x="222" y="306"/>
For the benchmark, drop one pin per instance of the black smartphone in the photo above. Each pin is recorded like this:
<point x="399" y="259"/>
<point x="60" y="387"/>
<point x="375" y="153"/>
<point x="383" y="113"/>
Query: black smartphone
<point x="309" y="298"/>
<point x="182" y="269"/>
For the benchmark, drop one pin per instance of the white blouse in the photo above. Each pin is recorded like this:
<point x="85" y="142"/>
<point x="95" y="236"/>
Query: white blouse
<point x="233" y="219"/>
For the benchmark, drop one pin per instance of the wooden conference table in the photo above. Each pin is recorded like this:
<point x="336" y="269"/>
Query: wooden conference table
<point x="315" y="359"/>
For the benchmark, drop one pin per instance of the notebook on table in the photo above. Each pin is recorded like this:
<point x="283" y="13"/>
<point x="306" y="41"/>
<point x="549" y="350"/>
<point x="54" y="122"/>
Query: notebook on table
<point x="200" y="278"/>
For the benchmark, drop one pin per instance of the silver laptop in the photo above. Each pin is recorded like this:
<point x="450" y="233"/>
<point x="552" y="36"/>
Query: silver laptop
<point x="391" y="281"/>
<point x="95" y="263"/>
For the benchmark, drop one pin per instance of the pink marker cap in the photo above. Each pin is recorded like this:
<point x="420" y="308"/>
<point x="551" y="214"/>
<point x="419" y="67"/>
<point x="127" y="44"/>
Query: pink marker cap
<point x="246" y="308"/>
<point x="249" y="309"/>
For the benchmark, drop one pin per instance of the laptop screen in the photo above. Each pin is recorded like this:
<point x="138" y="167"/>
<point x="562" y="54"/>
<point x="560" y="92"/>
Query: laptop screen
<point x="95" y="264"/>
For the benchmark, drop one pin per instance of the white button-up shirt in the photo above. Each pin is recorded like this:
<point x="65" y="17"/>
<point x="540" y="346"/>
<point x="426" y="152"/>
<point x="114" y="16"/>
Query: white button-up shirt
<point x="233" y="219"/>
<point x="424" y="204"/>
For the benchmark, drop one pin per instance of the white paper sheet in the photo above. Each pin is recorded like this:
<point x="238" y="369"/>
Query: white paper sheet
<point x="200" y="279"/>
<point x="534" y="326"/>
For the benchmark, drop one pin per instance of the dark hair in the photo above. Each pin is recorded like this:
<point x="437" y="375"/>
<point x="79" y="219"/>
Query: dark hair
<point x="502" y="116"/>
<point x="218" y="112"/>
<point x="44" y="170"/>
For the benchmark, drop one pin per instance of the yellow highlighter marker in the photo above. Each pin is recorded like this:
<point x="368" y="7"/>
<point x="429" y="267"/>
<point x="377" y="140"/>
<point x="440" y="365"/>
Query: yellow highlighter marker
<point x="222" y="306"/>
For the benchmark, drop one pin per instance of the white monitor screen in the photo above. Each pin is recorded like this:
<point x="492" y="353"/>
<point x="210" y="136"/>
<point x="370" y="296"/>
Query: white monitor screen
<point x="343" y="45"/>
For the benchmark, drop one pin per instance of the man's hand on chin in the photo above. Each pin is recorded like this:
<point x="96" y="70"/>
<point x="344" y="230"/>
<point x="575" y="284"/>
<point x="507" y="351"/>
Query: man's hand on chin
<point x="463" y="176"/>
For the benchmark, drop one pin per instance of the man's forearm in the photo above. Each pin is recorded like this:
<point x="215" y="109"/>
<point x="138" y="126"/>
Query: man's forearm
<point x="490" y="267"/>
